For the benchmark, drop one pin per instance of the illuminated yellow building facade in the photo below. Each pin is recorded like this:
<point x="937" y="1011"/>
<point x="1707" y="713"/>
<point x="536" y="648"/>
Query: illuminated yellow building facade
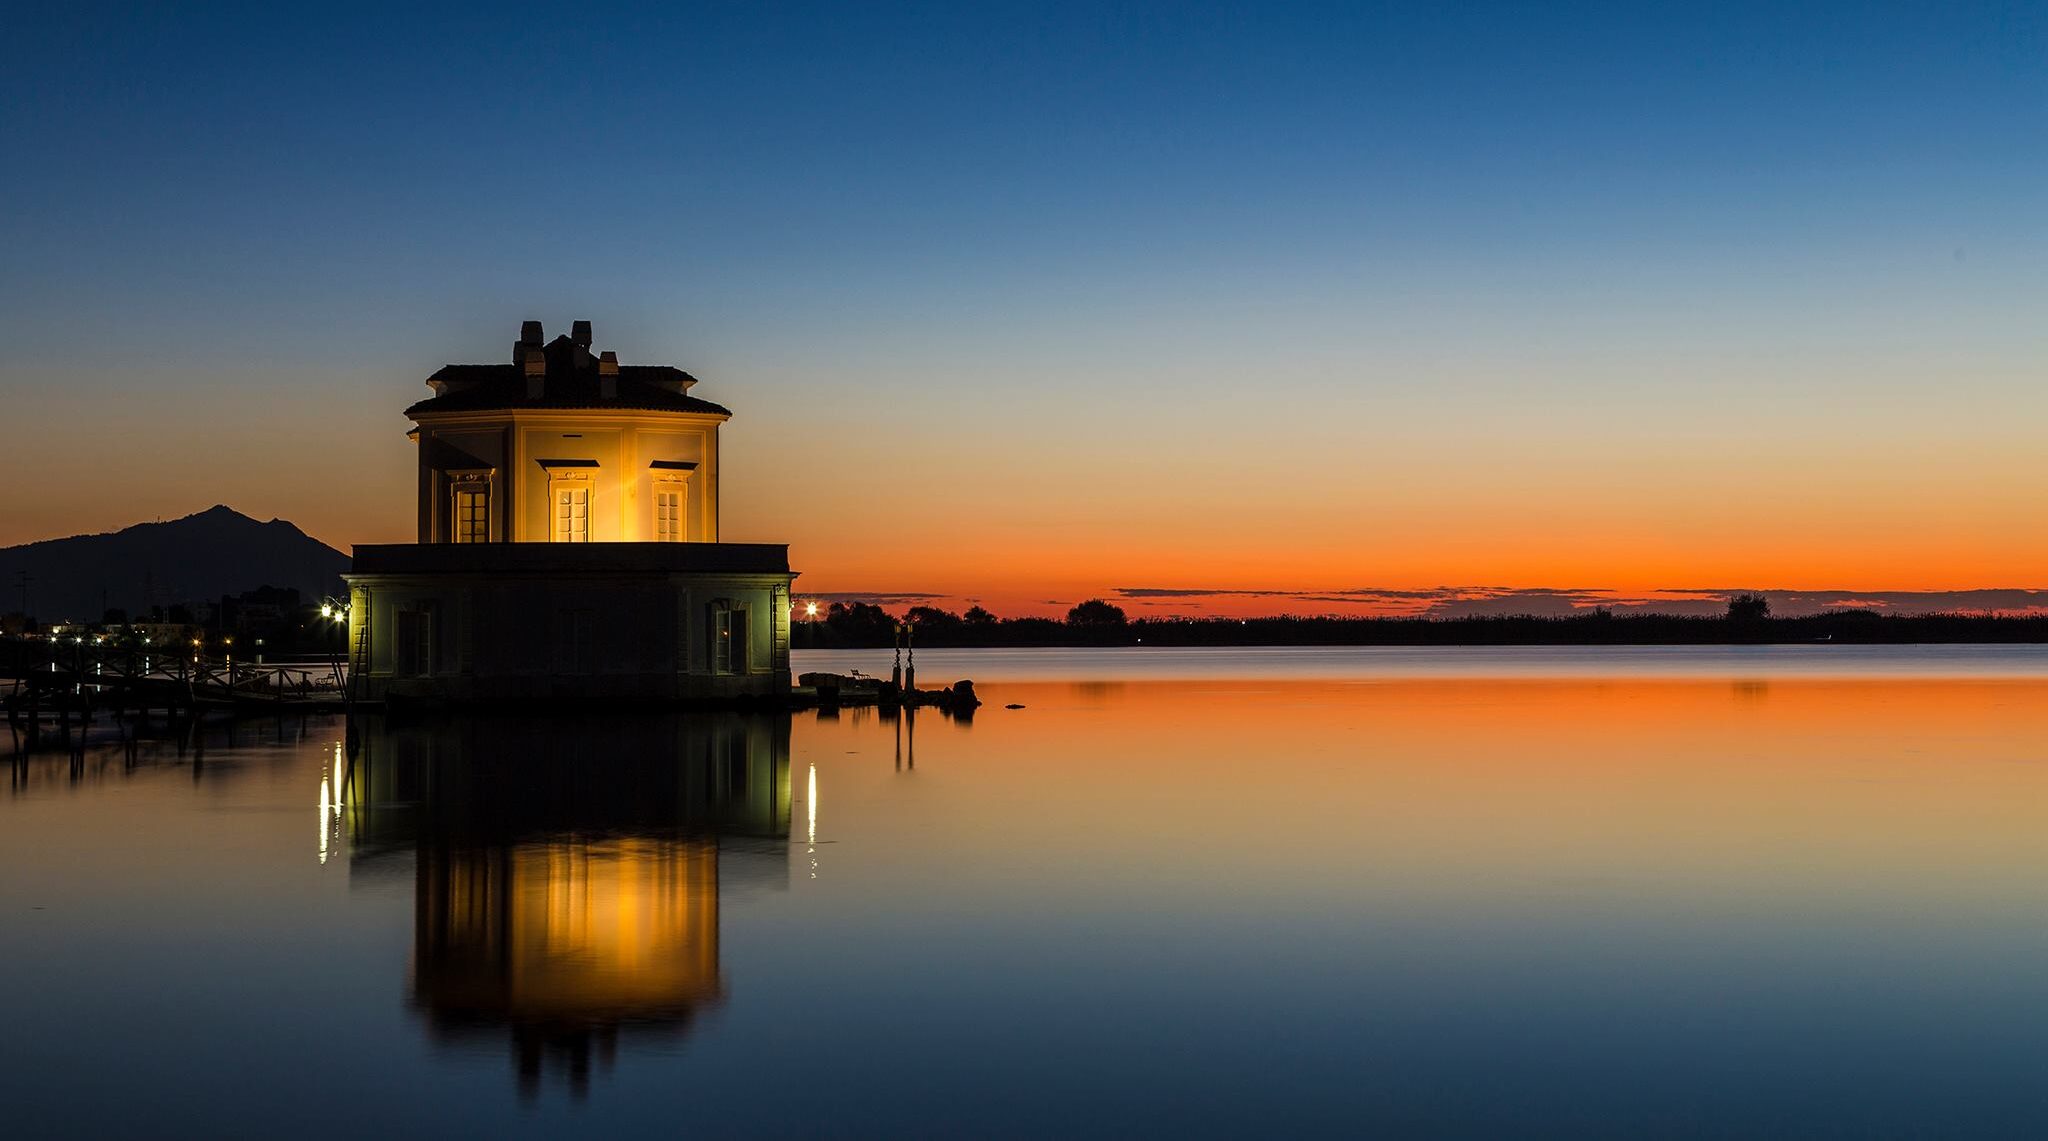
<point x="565" y="445"/>
<point x="568" y="526"/>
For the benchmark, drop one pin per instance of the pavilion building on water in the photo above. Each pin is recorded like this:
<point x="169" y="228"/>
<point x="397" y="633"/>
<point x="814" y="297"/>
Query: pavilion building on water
<point x="568" y="544"/>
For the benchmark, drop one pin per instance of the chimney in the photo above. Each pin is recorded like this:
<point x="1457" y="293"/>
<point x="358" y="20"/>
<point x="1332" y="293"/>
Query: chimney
<point x="607" y="374"/>
<point x="535" y="363"/>
<point x="579" y="333"/>
<point x="529" y="335"/>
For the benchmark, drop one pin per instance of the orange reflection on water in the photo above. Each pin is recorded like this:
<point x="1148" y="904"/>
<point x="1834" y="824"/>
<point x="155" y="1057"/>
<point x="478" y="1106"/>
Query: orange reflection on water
<point x="587" y="930"/>
<point x="1730" y="793"/>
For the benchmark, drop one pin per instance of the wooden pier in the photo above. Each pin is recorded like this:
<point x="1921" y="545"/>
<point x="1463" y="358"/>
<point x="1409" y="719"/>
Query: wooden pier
<point x="45" y="683"/>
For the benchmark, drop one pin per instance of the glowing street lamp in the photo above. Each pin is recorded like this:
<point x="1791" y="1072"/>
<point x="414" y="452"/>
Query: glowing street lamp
<point x="810" y="610"/>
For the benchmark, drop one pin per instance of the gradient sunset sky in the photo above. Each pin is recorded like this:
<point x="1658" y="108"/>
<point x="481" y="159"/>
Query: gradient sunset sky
<point x="1027" y="303"/>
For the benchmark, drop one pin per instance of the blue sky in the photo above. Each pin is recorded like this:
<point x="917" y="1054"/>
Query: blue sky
<point x="896" y="224"/>
<point x="938" y="161"/>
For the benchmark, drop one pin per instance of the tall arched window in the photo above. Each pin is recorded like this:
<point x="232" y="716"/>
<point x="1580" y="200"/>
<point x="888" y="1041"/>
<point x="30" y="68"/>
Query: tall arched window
<point x="571" y="489"/>
<point x="668" y="513"/>
<point x="469" y="514"/>
<point x="572" y="512"/>
<point x="670" y="483"/>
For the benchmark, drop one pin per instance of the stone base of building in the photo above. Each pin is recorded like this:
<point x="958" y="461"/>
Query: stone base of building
<point x="570" y="624"/>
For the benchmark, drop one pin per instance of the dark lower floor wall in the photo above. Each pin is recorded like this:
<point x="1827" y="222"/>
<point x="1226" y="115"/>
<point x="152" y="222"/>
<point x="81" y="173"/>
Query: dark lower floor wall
<point x="634" y="637"/>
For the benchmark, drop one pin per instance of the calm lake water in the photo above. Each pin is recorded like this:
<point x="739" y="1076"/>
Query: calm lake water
<point x="1663" y="892"/>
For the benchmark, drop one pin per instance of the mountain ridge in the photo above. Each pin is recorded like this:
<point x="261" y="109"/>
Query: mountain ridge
<point x="195" y="558"/>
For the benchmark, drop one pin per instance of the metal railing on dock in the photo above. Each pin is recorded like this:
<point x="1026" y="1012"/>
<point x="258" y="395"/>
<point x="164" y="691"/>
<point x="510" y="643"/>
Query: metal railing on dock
<point x="45" y="673"/>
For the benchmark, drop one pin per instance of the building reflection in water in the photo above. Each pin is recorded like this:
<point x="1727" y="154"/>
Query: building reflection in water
<point x="568" y="871"/>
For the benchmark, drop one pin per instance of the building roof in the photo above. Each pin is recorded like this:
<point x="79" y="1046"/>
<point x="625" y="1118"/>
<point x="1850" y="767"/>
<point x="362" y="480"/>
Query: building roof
<point x="573" y="377"/>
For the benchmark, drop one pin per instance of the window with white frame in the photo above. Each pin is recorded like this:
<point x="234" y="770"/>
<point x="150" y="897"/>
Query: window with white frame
<point x="472" y="518"/>
<point x="572" y="514"/>
<point x="668" y="514"/>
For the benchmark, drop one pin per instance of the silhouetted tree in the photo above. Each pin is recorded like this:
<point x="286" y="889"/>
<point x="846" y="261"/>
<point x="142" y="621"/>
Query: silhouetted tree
<point x="1097" y="613"/>
<point x="859" y="624"/>
<point x="1034" y="632"/>
<point x="869" y="626"/>
<point x="932" y="620"/>
<point x="1748" y="608"/>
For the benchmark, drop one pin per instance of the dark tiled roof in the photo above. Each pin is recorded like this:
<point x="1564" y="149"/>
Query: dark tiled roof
<point x="572" y="382"/>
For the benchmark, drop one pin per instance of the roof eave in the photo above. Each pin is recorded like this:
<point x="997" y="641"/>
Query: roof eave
<point x="420" y="412"/>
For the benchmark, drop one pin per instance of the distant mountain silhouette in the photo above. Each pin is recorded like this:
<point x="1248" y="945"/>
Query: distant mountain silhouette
<point x="197" y="558"/>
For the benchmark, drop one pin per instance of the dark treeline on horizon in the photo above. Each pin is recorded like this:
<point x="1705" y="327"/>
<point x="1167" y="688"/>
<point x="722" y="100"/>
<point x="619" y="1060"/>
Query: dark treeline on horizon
<point x="1096" y="623"/>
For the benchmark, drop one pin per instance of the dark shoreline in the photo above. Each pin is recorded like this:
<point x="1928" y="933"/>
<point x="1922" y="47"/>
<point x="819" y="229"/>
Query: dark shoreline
<point x="1844" y="628"/>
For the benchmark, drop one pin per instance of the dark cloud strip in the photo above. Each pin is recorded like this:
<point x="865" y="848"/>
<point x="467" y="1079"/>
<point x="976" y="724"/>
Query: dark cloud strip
<point x="1474" y="601"/>
<point x="874" y="597"/>
<point x="1484" y="601"/>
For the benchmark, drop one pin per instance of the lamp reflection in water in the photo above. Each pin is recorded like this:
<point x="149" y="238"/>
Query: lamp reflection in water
<point x="330" y="803"/>
<point x="568" y="871"/>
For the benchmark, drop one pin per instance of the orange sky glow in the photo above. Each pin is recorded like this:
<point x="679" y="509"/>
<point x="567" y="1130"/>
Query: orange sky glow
<point x="1027" y="513"/>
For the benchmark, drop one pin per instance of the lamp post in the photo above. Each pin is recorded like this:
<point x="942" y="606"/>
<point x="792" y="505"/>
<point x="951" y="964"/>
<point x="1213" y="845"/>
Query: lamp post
<point x="336" y="611"/>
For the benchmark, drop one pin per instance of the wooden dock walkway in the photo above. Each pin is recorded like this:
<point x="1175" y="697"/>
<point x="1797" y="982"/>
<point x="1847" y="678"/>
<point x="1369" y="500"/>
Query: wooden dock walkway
<point x="42" y="680"/>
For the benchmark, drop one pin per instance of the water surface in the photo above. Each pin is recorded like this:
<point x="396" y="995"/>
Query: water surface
<point x="1265" y="891"/>
<point x="1159" y="663"/>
